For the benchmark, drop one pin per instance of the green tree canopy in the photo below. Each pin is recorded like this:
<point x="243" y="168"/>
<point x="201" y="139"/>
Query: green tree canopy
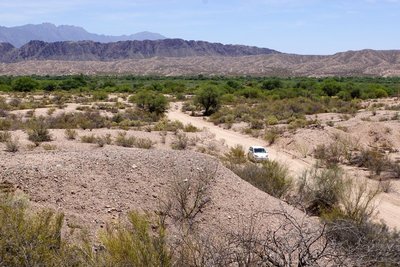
<point x="24" y="84"/>
<point x="209" y="99"/>
<point x="150" y="101"/>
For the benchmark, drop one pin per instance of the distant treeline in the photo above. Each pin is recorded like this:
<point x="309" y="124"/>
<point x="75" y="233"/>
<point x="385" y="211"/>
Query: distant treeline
<point x="345" y="88"/>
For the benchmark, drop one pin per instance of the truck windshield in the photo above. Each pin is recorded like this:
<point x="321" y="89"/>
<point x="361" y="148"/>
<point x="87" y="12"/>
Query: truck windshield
<point x="259" y="150"/>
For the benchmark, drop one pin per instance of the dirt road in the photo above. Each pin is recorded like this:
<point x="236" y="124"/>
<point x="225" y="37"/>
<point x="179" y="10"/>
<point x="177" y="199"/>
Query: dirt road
<point x="296" y="166"/>
<point x="388" y="205"/>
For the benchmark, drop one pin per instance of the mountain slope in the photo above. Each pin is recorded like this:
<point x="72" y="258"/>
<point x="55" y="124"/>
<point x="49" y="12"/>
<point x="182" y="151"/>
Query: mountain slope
<point x="88" y="50"/>
<point x="353" y="63"/>
<point x="19" y="36"/>
<point x="180" y="57"/>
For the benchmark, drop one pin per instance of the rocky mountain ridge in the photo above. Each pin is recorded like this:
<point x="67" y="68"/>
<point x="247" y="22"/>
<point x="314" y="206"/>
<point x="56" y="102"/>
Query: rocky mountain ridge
<point x="48" y="32"/>
<point x="95" y="51"/>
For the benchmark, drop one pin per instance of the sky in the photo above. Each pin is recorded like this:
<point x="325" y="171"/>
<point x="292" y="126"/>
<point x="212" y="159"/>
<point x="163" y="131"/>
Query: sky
<point x="290" y="26"/>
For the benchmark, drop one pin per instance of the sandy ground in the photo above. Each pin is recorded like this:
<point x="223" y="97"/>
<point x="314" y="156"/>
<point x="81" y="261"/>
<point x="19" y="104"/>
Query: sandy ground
<point x="387" y="204"/>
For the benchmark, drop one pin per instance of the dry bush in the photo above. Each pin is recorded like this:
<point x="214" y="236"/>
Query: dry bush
<point x="272" y="134"/>
<point x="70" y="134"/>
<point x="169" y="126"/>
<point x="357" y="201"/>
<point x="49" y="147"/>
<point x="385" y="186"/>
<point x="51" y="111"/>
<point x="4" y="136"/>
<point x="320" y="191"/>
<point x="271" y="177"/>
<point x="328" y="193"/>
<point x="236" y="155"/>
<point x="91" y="139"/>
<point x="87" y="120"/>
<point x="144" y="143"/>
<point x="130" y="141"/>
<point x="330" y="155"/>
<point x="12" y="145"/>
<point x="365" y="244"/>
<point x="123" y="140"/>
<point x="180" y="142"/>
<point x="294" y="241"/>
<point x="394" y="169"/>
<point x="188" y="196"/>
<point x="341" y="150"/>
<point x="103" y="140"/>
<point x="256" y="124"/>
<point x="303" y="149"/>
<point x="189" y="128"/>
<point x="6" y="124"/>
<point x="163" y="135"/>
<point x="38" y="131"/>
<point x="372" y="159"/>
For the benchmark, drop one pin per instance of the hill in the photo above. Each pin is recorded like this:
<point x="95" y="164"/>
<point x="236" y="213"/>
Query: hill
<point x="19" y="36"/>
<point x="352" y="63"/>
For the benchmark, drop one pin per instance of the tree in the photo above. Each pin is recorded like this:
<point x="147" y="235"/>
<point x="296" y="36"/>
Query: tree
<point x="272" y="84"/>
<point x="331" y="87"/>
<point x="24" y="84"/>
<point x="150" y="101"/>
<point x="209" y="99"/>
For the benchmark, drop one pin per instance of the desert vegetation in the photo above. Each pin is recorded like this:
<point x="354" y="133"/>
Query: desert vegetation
<point x="312" y="118"/>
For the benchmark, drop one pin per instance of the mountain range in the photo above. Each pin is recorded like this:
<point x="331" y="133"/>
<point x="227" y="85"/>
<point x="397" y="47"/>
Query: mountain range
<point x="89" y="50"/>
<point x="351" y="63"/>
<point x="48" y="32"/>
<point x="175" y="57"/>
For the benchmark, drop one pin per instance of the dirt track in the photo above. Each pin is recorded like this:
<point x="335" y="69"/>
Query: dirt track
<point x="388" y="204"/>
<point x="232" y="138"/>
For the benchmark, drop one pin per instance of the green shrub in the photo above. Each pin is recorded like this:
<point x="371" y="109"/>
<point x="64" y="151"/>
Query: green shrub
<point x="135" y="244"/>
<point x="150" y="101"/>
<point x="271" y="177"/>
<point x="271" y="120"/>
<point x="29" y="239"/>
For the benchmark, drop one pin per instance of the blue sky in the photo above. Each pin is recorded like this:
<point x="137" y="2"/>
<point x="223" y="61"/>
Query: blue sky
<point x="292" y="26"/>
